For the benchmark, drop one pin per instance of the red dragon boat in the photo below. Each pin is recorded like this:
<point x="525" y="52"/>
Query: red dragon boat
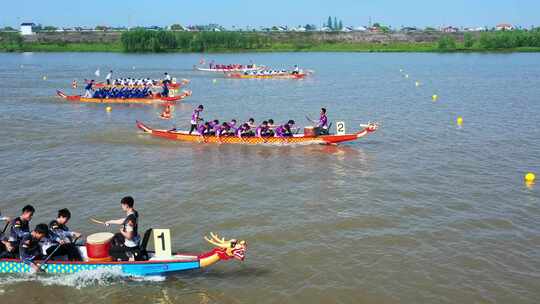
<point x="148" y="100"/>
<point x="267" y="76"/>
<point x="297" y="139"/>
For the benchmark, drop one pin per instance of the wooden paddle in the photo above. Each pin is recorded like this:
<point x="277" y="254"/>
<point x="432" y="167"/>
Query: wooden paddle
<point x="97" y="221"/>
<point x="5" y="227"/>
<point x="46" y="260"/>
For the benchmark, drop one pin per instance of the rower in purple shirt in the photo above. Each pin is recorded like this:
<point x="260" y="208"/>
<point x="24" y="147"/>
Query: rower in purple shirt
<point x="232" y="125"/>
<point x="243" y="130"/>
<point x="323" y="122"/>
<point x="222" y="130"/>
<point x="203" y="128"/>
<point x="285" y="129"/>
<point x="262" y="129"/>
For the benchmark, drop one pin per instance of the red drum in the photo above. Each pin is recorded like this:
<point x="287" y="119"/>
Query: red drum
<point x="98" y="245"/>
<point x="310" y="131"/>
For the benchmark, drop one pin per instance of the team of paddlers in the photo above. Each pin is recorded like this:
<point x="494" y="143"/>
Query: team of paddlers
<point x="295" y="71"/>
<point x="56" y="241"/>
<point x="231" y="66"/>
<point x="125" y="88"/>
<point x="266" y="128"/>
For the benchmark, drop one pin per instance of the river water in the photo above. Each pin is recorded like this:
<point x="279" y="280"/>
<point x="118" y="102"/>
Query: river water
<point x="422" y="211"/>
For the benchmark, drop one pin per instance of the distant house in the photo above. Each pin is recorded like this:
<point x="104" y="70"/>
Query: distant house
<point x="450" y="29"/>
<point x="27" y="28"/>
<point x="360" y="29"/>
<point x="298" y="29"/>
<point x="504" y="27"/>
<point x="326" y="29"/>
<point x="347" y="29"/>
<point x="375" y="29"/>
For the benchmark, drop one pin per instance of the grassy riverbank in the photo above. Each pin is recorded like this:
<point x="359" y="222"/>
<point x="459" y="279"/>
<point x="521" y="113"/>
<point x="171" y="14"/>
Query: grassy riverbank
<point x="142" y="41"/>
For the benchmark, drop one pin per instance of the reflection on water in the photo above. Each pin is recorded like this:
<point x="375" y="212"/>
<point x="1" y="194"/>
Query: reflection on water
<point x="419" y="212"/>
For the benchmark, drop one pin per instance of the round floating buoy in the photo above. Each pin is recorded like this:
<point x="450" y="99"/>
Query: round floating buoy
<point x="134" y="67"/>
<point x="434" y="97"/>
<point x="214" y="81"/>
<point x="108" y="109"/>
<point x="417" y="83"/>
<point x="401" y="70"/>
<point x="406" y="75"/>
<point x="44" y="77"/>
<point x="459" y="120"/>
<point x="530" y="177"/>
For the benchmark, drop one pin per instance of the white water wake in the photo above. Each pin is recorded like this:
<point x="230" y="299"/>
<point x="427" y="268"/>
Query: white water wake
<point x="79" y="280"/>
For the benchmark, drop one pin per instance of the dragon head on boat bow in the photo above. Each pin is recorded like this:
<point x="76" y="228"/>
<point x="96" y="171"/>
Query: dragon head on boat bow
<point x="227" y="249"/>
<point x="371" y="126"/>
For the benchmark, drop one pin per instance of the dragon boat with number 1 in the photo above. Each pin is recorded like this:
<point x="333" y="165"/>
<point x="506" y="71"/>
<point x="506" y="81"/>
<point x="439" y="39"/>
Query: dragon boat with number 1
<point x="296" y="139"/>
<point x="159" y="262"/>
<point x="148" y="100"/>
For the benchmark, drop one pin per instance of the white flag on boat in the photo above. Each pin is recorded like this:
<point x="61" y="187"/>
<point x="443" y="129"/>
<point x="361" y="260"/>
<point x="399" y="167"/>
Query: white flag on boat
<point x="97" y="73"/>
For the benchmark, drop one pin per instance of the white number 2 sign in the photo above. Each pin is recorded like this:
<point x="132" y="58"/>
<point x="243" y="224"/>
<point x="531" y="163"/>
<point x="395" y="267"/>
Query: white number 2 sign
<point x="162" y="243"/>
<point x="340" y="128"/>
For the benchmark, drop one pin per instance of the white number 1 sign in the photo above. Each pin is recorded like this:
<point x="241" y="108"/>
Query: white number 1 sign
<point x="162" y="243"/>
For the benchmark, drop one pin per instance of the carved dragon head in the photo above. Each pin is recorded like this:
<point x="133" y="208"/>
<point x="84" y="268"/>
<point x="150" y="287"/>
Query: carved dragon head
<point x="228" y="249"/>
<point x="371" y="126"/>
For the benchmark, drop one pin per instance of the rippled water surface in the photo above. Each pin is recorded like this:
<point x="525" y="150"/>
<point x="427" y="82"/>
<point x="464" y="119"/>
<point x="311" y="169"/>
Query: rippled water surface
<point x="422" y="211"/>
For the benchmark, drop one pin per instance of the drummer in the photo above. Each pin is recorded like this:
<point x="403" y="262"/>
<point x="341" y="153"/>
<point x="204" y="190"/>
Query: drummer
<point x="323" y="123"/>
<point x="125" y="244"/>
<point x="196" y="118"/>
<point x="61" y="236"/>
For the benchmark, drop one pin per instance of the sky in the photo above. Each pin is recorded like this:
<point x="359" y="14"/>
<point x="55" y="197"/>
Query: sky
<point x="256" y="13"/>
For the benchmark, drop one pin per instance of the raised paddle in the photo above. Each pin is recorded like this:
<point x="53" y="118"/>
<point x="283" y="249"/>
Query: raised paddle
<point x="5" y="228"/>
<point x="97" y="221"/>
<point x="310" y="120"/>
<point x="46" y="260"/>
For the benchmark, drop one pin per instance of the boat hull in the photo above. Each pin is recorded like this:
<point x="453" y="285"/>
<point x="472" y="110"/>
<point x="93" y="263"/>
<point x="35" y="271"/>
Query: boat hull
<point x="277" y="141"/>
<point x="127" y="268"/>
<point x="276" y="76"/>
<point x="230" y="70"/>
<point x="151" y="100"/>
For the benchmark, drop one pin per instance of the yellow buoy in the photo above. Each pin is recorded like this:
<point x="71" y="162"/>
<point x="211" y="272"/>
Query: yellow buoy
<point x="417" y="83"/>
<point x="530" y="177"/>
<point x="434" y="97"/>
<point x="44" y="77"/>
<point x="108" y="109"/>
<point x="459" y="120"/>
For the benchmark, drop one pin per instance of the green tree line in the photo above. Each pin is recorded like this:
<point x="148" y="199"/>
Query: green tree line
<point x="162" y="41"/>
<point x="499" y="40"/>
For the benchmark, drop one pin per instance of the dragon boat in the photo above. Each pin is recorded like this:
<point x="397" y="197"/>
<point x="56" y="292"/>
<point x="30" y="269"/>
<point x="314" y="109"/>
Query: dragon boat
<point x="231" y="70"/>
<point x="148" y="100"/>
<point x="296" y="139"/>
<point x="154" y="265"/>
<point x="267" y="76"/>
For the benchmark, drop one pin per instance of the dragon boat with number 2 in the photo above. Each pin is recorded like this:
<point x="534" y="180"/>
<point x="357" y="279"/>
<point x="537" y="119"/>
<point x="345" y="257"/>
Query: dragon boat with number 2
<point x="148" y="100"/>
<point x="297" y="139"/>
<point x="160" y="262"/>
